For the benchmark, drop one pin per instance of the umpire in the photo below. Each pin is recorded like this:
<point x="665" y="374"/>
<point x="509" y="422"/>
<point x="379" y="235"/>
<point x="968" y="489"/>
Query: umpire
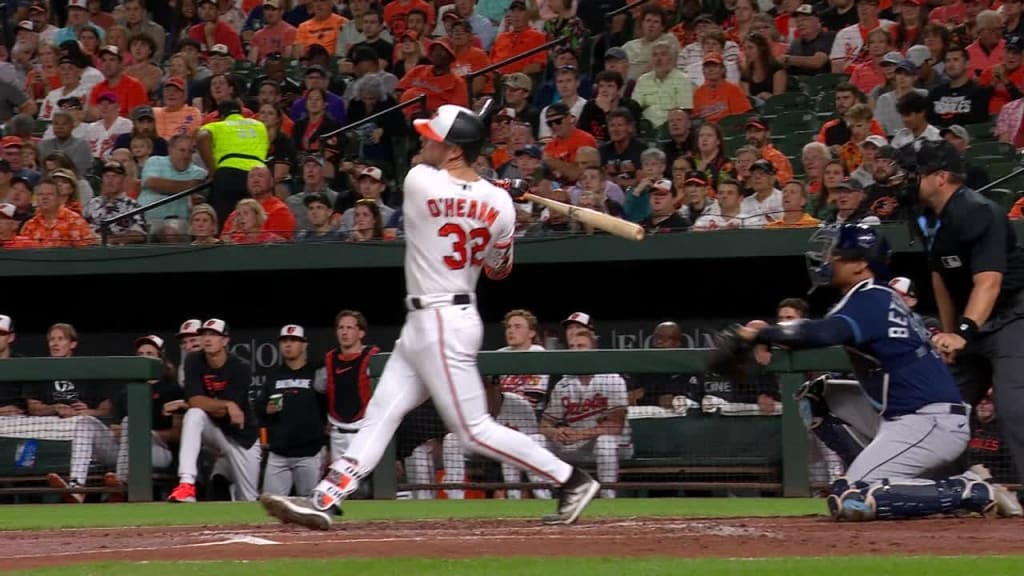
<point x="977" y="270"/>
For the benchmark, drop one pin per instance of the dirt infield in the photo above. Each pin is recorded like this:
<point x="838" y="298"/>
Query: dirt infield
<point x="748" y="538"/>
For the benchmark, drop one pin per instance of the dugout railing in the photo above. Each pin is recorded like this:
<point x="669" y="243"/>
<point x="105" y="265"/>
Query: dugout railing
<point x="788" y="430"/>
<point x="132" y="371"/>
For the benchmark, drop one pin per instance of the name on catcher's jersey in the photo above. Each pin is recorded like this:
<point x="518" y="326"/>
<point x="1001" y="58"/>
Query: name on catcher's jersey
<point x="452" y="229"/>
<point x="582" y="405"/>
<point x="892" y="354"/>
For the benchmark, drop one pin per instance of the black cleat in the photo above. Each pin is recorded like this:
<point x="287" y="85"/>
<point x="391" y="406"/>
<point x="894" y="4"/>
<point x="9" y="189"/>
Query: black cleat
<point x="296" y="511"/>
<point x="573" y="497"/>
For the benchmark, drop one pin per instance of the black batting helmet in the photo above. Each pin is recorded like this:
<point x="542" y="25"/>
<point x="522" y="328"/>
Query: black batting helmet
<point x="455" y="125"/>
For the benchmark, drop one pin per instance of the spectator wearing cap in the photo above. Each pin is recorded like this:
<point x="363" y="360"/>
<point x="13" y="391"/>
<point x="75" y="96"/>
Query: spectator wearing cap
<point x="717" y="97"/>
<point x="858" y="118"/>
<point x="664" y="87"/>
<point x="319" y="223"/>
<point x="594" y="117"/>
<point x="653" y="28"/>
<point x="1005" y="78"/>
<point x="975" y="175"/>
<point x="13" y="147"/>
<point x="371" y="186"/>
<point x="560" y="150"/>
<point x="71" y="87"/>
<point x="314" y="185"/>
<point x="616" y="60"/>
<point x="276" y="35"/>
<point x="914" y="109"/>
<point x="478" y="27"/>
<point x="519" y="37"/>
<point x="176" y="116"/>
<point x="766" y="201"/>
<point x="808" y="53"/>
<point x="695" y="201"/>
<point x="850" y="40"/>
<point x="278" y="218"/>
<point x="469" y="58"/>
<point x="888" y="187"/>
<point x="903" y="80"/>
<point x="143" y="126"/>
<point x="759" y="135"/>
<point x="128" y="90"/>
<point x="730" y="214"/>
<point x="39" y="14"/>
<point x="20" y="195"/>
<point x="211" y="30"/>
<point x="53" y="225"/>
<point x="322" y="29"/>
<point x="517" y="97"/>
<point x="794" y="208"/>
<point x="396" y="14"/>
<point x="664" y="216"/>
<point x="164" y="175"/>
<point x="78" y="18"/>
<point x="869" y="148"/>
<point x="509" y="137"/>
<point x="102" y="133"/>
<point x="436" y="81"/>
<point x="989" y="47"/>
<point x="9" y="239"/>
<point x="137" y="21"/>
<point x="10" y="406"/>
<point x="850" y="205"/>
<point x="959" y="100"/>
<point x="76" y="149"/>
<point x="868" y="72"/>
<point x="707" y="39"/>
<point x="112" y="201"/>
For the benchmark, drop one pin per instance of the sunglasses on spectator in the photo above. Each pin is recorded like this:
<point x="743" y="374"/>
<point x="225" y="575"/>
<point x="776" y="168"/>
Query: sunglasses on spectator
<point x="552" y="122"/>
<point x="569" y="67"/>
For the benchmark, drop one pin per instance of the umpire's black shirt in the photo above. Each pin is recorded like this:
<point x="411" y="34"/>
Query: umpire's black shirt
<point x="973" y="235"/>
<point x="229" y="382"/>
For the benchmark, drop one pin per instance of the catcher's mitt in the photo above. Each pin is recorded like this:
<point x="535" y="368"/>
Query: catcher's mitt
<point x="732" y="357"/>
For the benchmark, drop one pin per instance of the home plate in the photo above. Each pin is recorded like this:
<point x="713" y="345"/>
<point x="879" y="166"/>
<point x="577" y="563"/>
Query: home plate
<point x="240" y="539"/>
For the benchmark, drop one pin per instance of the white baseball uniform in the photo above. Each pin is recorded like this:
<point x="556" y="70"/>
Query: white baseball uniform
<point x="516" y="413"/>
<point x="581" y="405"/>
<point x="453" y="229"/>
<point x="532" y="387"/>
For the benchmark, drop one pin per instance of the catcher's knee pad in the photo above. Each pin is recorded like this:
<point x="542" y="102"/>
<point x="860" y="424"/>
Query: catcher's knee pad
<point x="914" y="498"/>
<point x="839" y="437"/>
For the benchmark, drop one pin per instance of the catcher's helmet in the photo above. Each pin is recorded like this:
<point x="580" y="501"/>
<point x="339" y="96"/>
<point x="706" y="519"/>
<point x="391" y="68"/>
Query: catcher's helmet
<point x="455" y="125"/>
<point x="848" y="241"/>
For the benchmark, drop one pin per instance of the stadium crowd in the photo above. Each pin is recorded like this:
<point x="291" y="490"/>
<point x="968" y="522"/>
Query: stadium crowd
<point x="688" y="115"/>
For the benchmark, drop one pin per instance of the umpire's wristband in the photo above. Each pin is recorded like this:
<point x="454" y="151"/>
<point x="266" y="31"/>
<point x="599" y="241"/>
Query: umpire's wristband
<point x="966" y="328"/>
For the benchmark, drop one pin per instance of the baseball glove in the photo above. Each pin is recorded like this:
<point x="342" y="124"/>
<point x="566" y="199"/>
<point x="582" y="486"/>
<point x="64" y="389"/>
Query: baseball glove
<point x="732" y="357"/>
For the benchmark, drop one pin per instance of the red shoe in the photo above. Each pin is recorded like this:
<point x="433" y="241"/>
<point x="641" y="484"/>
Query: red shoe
<point x="183" y="493"/>
<point x="110" y="480"/>
<point x="55" y="481"/>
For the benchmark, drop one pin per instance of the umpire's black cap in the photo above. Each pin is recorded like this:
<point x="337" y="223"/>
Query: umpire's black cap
<point x="938" y="155"/>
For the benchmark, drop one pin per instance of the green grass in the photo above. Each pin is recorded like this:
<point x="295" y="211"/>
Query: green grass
<point x="889" y="566"/>
<point x="50" y="516"/>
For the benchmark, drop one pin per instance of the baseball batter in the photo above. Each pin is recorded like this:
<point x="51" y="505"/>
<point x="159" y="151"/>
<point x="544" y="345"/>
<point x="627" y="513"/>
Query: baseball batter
<point x="456" y="224"/>
<point x="516" y="413"/>
<point x="902" y="472"/>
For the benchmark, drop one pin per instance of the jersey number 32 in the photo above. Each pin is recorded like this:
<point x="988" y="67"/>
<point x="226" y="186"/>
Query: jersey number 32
<point x="467" y="246"/>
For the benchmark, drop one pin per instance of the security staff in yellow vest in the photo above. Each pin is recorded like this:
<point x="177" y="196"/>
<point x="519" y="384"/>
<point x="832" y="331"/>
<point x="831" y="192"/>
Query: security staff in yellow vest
<point x="230" y="148"/>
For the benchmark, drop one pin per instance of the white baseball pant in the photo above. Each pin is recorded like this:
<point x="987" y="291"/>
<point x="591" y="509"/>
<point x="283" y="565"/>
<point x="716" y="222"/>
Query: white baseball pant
<point x="282" y="473"/>
<point x="605" y="451"/>
<point x="435" y="356"/>
<point x="161" y="455"/>
<point x="455" y="472"/>
<point x="90" y="439"/>
<point x="340" y="440"/>
<point x="198" y="430"/>
<point x="419" y="469"/>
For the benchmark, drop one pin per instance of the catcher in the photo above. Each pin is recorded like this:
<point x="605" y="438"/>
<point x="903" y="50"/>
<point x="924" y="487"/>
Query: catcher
<point x="902" y="472"/>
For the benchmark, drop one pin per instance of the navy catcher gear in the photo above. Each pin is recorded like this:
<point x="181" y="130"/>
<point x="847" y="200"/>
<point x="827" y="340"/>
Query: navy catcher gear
<point x="847" y="241"/>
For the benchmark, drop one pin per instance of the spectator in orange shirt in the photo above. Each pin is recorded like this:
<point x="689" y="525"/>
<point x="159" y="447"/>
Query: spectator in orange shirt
<point x="129" y="91"/>
<point x="794" y="199"/>
<point x="54" y="226"/>
<point x="323" y="28"/>
<point x="1006" y="78"/>
<point x="469" y="58"/>
<point x="519" y="38"/>
<point x="277" y="219"/>
<point x="717" y="97"/>
<point x="175" y="116"/>
<point x="566" y="138"/>
<point x="760" y="136"/>
<point x="436" y="81"/>
<point x="395" y="14"/>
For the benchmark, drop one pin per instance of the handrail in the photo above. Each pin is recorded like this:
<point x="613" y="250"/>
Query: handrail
<point x="492" y="67"/>
<point x="421" y="99"/>
<point x="1009" y="176"/>
<point x="625" y="8"/>
<point x="105" y="225"/>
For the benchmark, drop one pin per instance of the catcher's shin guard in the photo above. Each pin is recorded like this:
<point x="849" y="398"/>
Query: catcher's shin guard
<point x="914" y="498"/>
<point x="341" y="481"/>
<point x="839" y="437"/>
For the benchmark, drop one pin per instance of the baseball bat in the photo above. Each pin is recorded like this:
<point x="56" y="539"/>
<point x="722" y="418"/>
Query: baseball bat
<point x="611" y="224"/>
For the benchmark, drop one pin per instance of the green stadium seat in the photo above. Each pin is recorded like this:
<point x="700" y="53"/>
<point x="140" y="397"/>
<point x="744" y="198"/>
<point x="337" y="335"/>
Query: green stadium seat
<point x="40" y="128"/>
<point x="1004" y="197"/>
<point x="1000" y="169"/>
<point x="734" y="124"/>
<point x="783" y="102"/>
<point x="793" y="144"/>
<point x="794" y="121"/>
<point x="991" y="151"/>
<point x="982" y="132"/>
<point x="825" y="105"/>
<point x="821" y="83"/>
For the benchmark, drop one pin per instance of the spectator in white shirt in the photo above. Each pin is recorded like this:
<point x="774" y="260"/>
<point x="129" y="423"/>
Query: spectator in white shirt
<point x="913" y="109"/>
<point x="766" y="201"/>
<point x="730" y="213"/>
<point x="102" y="133"/>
